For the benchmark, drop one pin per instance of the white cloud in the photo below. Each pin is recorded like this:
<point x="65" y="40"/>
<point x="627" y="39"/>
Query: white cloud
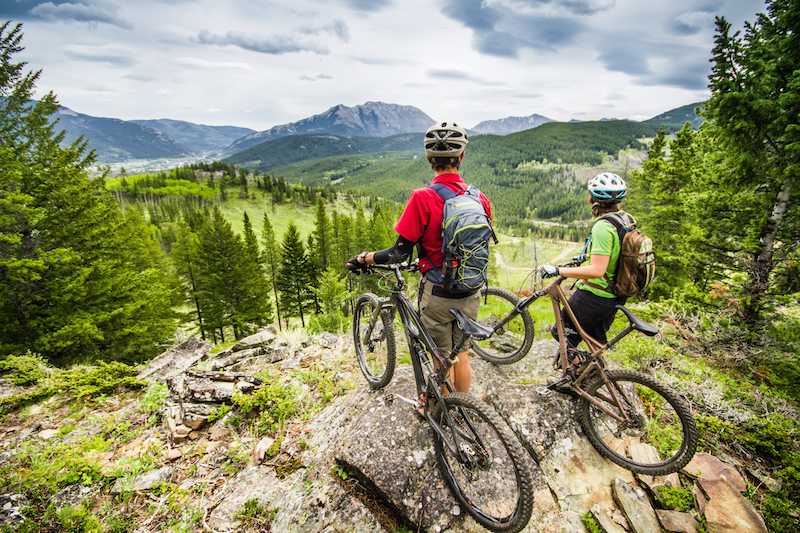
<point x="258" y="63"/>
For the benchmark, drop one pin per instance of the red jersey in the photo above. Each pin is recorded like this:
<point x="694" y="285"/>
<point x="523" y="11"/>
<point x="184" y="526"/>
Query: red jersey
<point x="421" y="221"/>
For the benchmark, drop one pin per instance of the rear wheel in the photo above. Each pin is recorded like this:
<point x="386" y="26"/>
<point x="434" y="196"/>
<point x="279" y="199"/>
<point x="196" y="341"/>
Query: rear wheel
<point x="490" y="477"/>
<point x="513" y="340"/>
<point x="373" y="337"/>
<point x="659" y="436"/>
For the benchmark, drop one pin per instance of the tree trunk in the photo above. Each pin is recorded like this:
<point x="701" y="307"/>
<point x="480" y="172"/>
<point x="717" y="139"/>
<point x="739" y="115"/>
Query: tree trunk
<point x="300" y="307"/>
<point x="758" y="282"/>
<point x="197" y="304"/>
<point x="277" y="301"/>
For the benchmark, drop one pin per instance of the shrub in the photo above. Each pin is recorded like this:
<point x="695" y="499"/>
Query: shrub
<point x="675" y="498"/>
<point x="28" y="369"/>
<point x="254" y="515"/>
<point x="154" y="398"/>
<point x="272" y="403"/>
<point x="591" y="524"/>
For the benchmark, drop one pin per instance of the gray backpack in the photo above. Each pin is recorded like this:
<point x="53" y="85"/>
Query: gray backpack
<point x="466" y="231"/>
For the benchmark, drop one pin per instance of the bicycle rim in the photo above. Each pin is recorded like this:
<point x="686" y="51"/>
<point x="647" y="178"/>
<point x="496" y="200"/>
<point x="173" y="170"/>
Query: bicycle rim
<point x="374" y="341"/>
<point x="512" y="341"/>
<point x="659" y="435"/>
<point x="489" y="477"/>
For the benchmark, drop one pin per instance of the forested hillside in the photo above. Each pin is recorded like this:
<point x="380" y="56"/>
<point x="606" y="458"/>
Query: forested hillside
<point x="530" y="174"/>
<point x="293" y="148"/>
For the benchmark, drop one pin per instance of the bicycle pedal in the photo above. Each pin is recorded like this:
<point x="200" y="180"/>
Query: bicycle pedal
<point x="558" y="384"/>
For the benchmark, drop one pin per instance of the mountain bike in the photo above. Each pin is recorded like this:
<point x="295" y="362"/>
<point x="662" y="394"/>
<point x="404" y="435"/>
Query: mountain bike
<point x="617" y="409"/>
<point x="478" y="455"/>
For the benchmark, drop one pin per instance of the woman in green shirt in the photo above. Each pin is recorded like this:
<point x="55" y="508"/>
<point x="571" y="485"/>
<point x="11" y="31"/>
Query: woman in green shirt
<point x="594" y="302"/>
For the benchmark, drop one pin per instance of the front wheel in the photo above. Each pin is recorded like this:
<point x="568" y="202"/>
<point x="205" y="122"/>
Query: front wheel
<point x="373" y="338"/>
<point x="512" y="341"/>
<point x="658" y="435"/>
<point x="483" y="463"/>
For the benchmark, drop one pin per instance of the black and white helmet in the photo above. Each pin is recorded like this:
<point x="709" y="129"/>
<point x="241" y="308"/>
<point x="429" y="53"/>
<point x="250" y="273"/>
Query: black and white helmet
<point x="607" y="187"/>
<point x="446" y="139"/>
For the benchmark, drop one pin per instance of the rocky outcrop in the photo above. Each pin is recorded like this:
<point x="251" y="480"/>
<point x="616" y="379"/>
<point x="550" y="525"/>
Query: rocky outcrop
<point x="176" y="360"/>
<point x="351" y="459"/>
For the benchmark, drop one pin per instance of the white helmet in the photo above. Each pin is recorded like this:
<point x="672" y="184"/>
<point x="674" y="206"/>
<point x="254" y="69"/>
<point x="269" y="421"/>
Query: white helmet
<point x="607" y="187"/>
<point x="446" y="139"/>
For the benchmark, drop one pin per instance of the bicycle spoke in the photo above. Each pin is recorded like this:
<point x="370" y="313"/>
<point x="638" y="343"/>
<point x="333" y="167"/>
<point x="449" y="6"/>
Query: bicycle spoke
<point x="482" y="467"/>
<point x="650" y="434"/>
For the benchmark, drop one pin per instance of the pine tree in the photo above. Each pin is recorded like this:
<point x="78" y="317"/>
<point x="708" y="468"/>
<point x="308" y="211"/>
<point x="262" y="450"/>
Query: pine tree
<point x="220" y="253"/>
<point x="333" y="296"/>
<point x="256" y="305"/>
<point x="322" y="235"/>
<point x="313" y="268"/>
<point x="272" y="261"/>
<point x="78" y="279"/>
<point x="184" y="254"/>
<point x="292" y="279"/>
<point x="754" y="118"/>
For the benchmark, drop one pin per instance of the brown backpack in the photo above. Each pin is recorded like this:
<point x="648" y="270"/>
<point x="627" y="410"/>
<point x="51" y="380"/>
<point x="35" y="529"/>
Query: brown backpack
<point x="636" y="266"/>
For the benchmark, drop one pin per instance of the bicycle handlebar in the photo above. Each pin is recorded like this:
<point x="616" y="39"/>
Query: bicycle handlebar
<point x="400" y="267"/>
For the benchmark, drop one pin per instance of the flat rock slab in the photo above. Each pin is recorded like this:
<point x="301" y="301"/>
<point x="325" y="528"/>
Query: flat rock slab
<point x="707" y="467"/>
<point x="727" y="511"/>
<point x="544" y="422"/>
<point x="677" y="521"/>
<point x="636" y="505"/>
<point x="326" y="507"/>
<point x="175" y="360"/>
<point x="644" y="453"/>
<point x="143" y="482"/>
<point x="259" y="339"/>
<point x="391" y="451"/>
<point x="610" y="518"/>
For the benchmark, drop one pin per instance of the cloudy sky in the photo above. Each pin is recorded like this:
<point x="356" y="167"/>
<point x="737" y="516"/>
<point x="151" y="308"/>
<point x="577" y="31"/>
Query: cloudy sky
<point x="258" y="63"/>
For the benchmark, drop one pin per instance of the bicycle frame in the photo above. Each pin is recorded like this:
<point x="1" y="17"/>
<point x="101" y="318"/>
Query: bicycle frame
<point x="427" y="383"/>
<point x="596" y="348"/>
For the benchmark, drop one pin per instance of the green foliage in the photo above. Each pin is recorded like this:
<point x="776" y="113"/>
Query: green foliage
<point x="79" y="278"/>
<point x="39" y="470"/>
<point x="333" y="296"/>
<point x="340" y="472"/>
<point x="154" y="398"/>
<point x="254" y="515"/>
<point x="219" y="413"/>
<point x="293" y="279"/>
<point x="722" y="206"/>
<point x="72" y="519"/>
<point x="272" y="403"/>
<point x="80" y="382"/>
<point x="675" y="498"/>
<point x="28" y="369"/>
<point x="591" y="524"/>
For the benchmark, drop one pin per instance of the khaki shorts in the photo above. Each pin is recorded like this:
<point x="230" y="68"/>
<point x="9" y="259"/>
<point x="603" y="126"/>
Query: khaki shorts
<point x="436" y="317"/>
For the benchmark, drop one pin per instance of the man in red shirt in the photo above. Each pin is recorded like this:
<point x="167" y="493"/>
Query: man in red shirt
<point x="421" y="225"/>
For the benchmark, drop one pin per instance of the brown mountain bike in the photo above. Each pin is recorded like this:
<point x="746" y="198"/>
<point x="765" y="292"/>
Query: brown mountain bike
<point x="619" y="410"/>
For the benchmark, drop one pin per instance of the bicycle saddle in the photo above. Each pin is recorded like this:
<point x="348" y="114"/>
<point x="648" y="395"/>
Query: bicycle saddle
<point x="471" y="328"/>
<point x="637" y="323"/>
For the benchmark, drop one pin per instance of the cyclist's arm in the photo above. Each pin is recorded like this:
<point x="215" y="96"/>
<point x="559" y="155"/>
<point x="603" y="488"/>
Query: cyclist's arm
<point x="396" y="254"/>
<point x="595" y="269"/>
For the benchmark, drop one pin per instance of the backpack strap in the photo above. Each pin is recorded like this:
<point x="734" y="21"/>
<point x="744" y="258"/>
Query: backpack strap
<point x="616" y="220"/>
<point x="444" y="192"/>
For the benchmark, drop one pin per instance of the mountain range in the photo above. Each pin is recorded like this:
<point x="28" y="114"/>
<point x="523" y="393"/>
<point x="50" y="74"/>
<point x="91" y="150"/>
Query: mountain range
<point x="372" y="119"/>
<point x="117" y="140"/>
<point x="367" y="128"/>
<point x="508" y="125"/>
